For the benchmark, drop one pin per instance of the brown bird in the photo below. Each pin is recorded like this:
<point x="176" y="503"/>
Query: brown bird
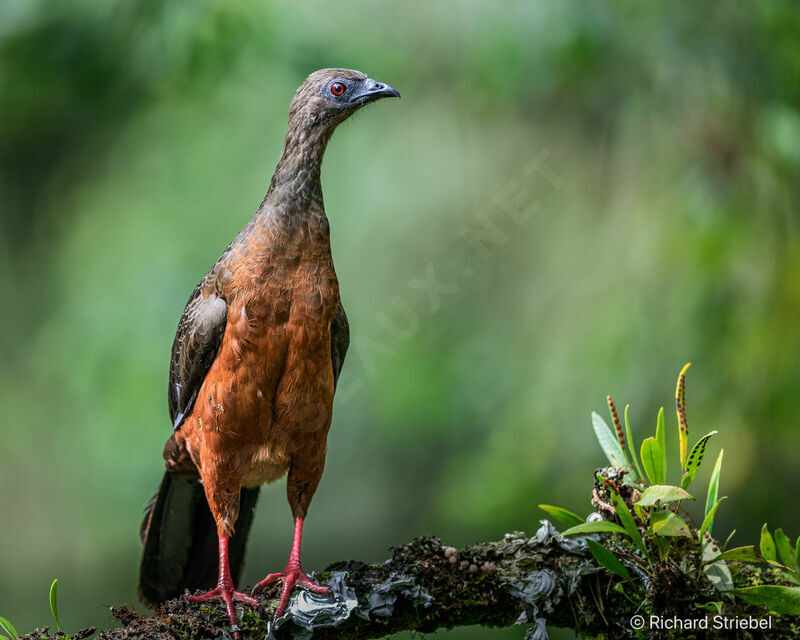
<point x="254" y="366"/>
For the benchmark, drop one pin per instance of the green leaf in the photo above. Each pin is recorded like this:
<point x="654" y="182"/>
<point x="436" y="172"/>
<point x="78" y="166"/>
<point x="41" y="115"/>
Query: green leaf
<point x="8" y="628"/>
<point x="713" y="488"/>
<point x="653" y="460"/>
<point x="631" y="445"/>
<point x="695" y="459"/>
<point x="719" y="575"/>
<point x="598" y="526"/>
<point x="661" y="438"/>
<point x="715" y="606"/>
<point x="667" y="524"/>
<point x="54" y="602"/>
<point x="797" y="548"/>
<point x="779" y="599"/>
<point x="620" y="589"/>
<point x="607" y="559"/>
<point x="663" y="494"/>
<point x="706" y="526"/>
<point x="791" y="576"/>
<point x="625" y="517"/>
<point x="785" y="551"/>
<point x="742" y="554"/>
<point x="767" y="544"/>
<point x="728" y="539"/>
<point x="608" y="442"/>
<point x="2" y="637"/>
<point x="565" y="516"/>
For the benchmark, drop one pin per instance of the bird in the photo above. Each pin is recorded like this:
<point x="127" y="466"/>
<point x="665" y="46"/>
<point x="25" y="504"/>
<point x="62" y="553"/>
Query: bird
<point x="253" y="371"/>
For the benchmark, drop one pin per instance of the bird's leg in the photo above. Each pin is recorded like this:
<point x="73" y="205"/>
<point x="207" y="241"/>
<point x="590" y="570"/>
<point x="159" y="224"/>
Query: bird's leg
<point x="293" y="574"/>
<point x="224" y="590"/>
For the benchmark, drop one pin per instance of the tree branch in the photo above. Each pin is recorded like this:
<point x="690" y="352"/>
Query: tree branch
<point x="425" y="586"/>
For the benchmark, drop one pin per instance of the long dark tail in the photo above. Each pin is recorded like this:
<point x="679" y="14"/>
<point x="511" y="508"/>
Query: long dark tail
<point x="180" y="539"/>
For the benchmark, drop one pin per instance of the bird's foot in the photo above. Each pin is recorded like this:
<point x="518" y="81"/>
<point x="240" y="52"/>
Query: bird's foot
<point x="292" y="575"/>
<point x="228" y="596"/>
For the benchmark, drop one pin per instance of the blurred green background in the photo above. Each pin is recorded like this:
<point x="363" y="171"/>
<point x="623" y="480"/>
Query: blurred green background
<point x="637" y="166"/>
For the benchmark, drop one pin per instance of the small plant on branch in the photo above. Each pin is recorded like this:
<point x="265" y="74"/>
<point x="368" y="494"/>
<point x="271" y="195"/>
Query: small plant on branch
<point x="649" y="532"/>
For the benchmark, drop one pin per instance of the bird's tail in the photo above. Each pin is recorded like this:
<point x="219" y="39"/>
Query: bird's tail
<point x="179" y="536"/>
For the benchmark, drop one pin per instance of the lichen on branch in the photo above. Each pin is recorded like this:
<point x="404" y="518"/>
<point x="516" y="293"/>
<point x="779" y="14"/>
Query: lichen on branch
<point x="546" y="580"/>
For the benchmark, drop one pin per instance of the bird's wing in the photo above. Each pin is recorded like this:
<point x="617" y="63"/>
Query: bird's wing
<point x="340" y="340"/>
<point x="197" y="342"/>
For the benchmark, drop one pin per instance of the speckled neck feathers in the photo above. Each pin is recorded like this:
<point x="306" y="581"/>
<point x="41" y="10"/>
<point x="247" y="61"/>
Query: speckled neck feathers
<point x="296" y="187"/>
<point x="295" y="190"/>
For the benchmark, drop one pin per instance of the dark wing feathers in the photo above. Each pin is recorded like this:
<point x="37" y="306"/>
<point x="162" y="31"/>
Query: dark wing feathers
<point x="340" y="340"/>
<point x="197" y="342"/>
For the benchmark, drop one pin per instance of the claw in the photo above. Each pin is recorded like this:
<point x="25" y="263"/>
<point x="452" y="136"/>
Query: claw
<point x="225" y="592"/>
<point x="291" y="576"/>
<point x="228" y="596"/>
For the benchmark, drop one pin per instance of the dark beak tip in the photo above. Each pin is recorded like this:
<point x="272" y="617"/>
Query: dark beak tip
<point x="388" y="91"/>
<point x="383" y="90"/>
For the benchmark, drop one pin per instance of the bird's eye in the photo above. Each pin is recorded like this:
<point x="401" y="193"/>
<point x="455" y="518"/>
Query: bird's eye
<point x="337" y="88"/>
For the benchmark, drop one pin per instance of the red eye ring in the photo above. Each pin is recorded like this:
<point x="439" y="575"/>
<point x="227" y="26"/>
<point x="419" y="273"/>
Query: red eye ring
<point x="337" y="88"/>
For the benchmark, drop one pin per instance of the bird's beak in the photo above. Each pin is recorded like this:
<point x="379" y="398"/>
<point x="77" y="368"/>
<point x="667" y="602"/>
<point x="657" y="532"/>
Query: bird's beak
<point x="371" y="90"/>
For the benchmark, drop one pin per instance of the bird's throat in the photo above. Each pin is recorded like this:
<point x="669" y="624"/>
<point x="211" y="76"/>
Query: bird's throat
<point x="296" y="184"/>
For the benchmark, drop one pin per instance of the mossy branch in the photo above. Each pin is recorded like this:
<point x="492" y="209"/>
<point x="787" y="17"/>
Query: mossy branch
<point x="543" y="580"/>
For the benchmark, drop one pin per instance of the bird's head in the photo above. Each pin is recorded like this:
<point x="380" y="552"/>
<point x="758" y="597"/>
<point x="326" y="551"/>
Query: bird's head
<point x="330" y="96"/>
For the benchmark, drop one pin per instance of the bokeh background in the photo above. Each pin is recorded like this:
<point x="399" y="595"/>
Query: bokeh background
<point x="636" y="167"/>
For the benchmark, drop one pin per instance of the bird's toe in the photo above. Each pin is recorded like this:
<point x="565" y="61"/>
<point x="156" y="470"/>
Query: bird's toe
<point x="291" y="577"/>
<point x="228" y="596"/>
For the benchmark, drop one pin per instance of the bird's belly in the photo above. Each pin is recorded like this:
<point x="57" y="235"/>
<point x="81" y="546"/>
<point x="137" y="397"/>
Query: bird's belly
<point x="262" y="469"/>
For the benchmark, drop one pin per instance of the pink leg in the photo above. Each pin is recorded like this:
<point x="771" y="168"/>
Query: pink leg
<point x="224" y="590"/>
<point x="293" y="574"/>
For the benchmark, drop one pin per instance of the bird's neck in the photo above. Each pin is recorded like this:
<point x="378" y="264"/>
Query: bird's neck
<point x="296" y="188"/>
